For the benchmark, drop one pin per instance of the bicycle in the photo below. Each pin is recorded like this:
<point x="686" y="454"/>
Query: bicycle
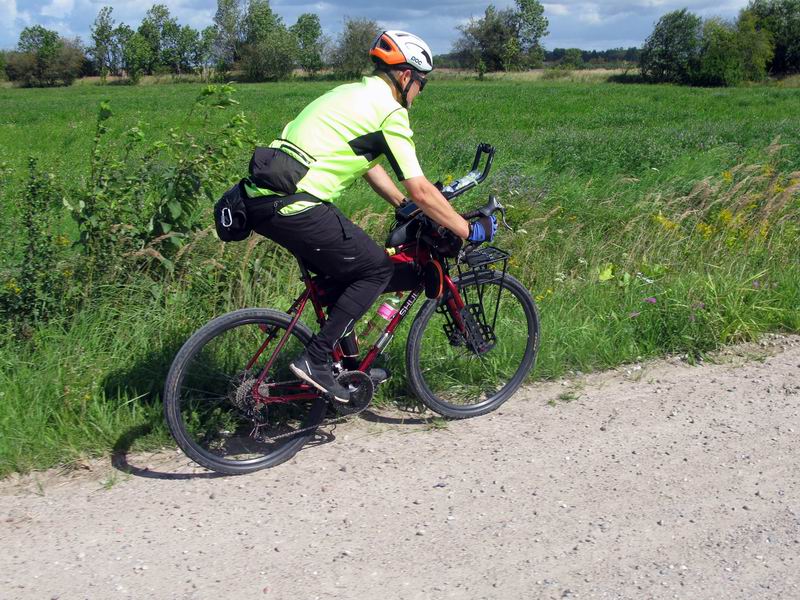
<point x="233" y="405"/>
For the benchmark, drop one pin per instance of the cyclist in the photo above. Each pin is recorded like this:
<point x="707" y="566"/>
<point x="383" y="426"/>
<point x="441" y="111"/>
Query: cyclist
<point x="339" y="137"/>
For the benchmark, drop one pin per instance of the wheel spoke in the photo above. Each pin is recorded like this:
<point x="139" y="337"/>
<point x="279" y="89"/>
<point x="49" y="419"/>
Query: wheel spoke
<point x="212" y="408"/>
<point x="455" y="380"/>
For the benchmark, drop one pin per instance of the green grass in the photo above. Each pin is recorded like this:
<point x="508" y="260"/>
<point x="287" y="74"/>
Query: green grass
<point x="650" y="219"/>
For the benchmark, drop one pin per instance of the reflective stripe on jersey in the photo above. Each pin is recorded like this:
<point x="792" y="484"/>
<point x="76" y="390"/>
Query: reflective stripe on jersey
<point x="347" y="131"/>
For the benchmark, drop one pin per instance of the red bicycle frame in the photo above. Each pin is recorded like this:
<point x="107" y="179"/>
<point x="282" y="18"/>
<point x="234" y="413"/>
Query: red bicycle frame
<point x="293" y="391"/>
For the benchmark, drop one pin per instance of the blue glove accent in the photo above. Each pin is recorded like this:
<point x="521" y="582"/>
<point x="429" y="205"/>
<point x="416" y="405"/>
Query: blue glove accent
<point x="483" y="229"/>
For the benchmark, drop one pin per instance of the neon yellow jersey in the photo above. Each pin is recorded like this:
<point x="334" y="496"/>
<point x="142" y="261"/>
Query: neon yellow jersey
<point x="343" y="134"/>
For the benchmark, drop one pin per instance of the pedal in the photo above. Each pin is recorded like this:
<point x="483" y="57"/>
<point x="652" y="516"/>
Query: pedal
<point x="379" y="375"/>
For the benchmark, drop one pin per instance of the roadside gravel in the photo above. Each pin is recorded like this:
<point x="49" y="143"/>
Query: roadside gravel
<point x="660" y="480"/>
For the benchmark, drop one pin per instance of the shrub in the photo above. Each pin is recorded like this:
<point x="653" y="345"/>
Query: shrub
<point x="573" y="59"/>
<point x="270" y="59"/>
<point x="351" y="53"/>
<point x="34" y="286"/>
<point x="720" y="59"/>
<point x="43" y="59"/>
<point x="308" y="32"/>
<point x="672" y="52"/>
<point x="782" y="19"/>
<point x="757" y="46"/>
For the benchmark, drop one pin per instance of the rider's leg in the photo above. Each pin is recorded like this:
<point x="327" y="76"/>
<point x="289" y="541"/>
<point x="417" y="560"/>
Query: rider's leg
<point x="333" y="245"/>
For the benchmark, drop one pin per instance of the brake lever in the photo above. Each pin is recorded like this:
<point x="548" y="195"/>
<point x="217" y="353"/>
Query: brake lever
<point x="503" y="215"/>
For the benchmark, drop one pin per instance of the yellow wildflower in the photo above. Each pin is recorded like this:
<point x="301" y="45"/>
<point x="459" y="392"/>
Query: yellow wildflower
<point x="769" y="171"/>
<point x="726" y="216"/>
<point x="705" y="230"/>
<point x="665" y="222"/>
<point x="13" y="287"/>
<point x="727" y="177"/>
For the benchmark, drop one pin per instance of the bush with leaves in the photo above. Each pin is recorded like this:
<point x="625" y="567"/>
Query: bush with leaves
<point x="270" y="59"/>
<point x="671" y="53"/>
<point x="350" y="54"/>
<point x="720" y="61"/>
<point x="44" y="59"/>
<point x="573" y="59"/>
<point x="756" y="46"/>
<point x="35" y="280"/>
<point x="308" y="32"/>
<point x="506" y="39"/>
<point x="145" y="200"/>
<point x="137" y="55"/>
<point x="782" y="19"/>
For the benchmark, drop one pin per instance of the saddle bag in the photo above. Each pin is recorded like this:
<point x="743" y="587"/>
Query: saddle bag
<point x="230" y="214"/>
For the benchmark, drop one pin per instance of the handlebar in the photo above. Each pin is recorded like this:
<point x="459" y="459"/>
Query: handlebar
<point x="410" y="211"/>
<point x="475" y="176"/>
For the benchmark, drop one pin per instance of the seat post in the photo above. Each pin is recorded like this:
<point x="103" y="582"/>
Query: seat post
<point x="303" y="269"/>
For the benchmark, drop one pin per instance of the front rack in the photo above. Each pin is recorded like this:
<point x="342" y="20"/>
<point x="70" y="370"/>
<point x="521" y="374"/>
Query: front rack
<point x="485" y="256"/>
<point x="478" y="321"/>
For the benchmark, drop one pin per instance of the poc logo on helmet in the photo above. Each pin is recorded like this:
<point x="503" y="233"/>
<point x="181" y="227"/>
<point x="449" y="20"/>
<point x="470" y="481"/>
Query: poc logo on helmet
<point x="415" y="60"/>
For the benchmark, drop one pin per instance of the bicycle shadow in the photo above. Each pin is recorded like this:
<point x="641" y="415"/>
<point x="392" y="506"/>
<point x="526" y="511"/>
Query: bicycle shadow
<point x="136" y="464"/>
<point x="372" y="416"/>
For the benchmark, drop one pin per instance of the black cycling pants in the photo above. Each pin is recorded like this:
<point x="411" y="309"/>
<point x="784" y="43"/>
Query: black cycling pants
<point x="329" y="243"/>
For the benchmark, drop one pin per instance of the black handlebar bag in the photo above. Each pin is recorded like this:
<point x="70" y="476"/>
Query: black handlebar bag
<point x="230" y="214"/>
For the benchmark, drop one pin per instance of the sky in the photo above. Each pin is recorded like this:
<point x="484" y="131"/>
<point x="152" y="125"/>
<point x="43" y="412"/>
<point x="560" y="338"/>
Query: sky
<point x="573" y="23"/>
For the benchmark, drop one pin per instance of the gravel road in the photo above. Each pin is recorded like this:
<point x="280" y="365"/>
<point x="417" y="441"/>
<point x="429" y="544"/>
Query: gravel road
<point x="660" y="480"/>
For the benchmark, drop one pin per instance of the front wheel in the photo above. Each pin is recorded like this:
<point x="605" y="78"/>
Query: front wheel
<point x="457" y="378"/>
<point x="209" y="401"/>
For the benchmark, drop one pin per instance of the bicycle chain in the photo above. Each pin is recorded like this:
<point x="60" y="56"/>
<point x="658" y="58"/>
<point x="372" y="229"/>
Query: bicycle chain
<point x="323" y="423"/>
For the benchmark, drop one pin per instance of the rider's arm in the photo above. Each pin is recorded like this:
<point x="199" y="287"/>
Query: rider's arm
<point x="379" y="180"/>
<point x="402" y="156"/>
<point x="433" y="204"/>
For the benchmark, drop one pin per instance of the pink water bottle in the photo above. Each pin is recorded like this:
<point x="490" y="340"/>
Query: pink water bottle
<point x="372" y="330"/>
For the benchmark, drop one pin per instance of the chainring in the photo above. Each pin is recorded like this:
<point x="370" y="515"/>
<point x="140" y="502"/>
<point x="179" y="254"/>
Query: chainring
<point x="361" y="388"/>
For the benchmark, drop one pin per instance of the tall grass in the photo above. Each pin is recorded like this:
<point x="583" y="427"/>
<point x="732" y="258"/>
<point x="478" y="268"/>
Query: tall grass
<point x="648" y="220"/>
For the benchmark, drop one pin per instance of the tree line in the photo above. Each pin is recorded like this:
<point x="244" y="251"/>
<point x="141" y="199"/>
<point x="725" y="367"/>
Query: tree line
<point x="246" y="37"/>
<point x="249" y="38"/>
<point x="685" y="49"/>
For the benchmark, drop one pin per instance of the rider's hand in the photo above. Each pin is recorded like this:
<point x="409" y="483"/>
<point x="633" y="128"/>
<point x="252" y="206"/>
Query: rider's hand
<point x="483" y="229"/>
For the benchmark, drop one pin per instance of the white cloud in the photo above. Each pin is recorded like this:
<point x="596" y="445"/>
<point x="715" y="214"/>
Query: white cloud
<point x="58" y="9"/>
<point x="589" y="14"/>
<point x="11" y="22"/>
<point x="558" y="10"/>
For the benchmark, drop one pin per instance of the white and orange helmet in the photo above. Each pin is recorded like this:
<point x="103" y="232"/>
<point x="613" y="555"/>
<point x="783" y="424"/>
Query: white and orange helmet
<point x="401" y="50"/>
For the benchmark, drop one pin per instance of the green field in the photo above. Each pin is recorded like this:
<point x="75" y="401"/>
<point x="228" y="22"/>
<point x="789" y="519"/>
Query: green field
<point x="650" y="219"/>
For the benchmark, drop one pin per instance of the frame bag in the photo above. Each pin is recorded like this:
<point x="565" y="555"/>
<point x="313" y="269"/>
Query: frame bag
<point x="230" y="215"/>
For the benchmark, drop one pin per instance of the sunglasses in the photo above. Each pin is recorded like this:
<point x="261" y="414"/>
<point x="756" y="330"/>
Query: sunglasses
<point x="422" y="81"/>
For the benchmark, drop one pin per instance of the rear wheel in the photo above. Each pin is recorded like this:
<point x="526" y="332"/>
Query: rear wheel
<point x="453" y="376"/>
<point x="209" y="400"/>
